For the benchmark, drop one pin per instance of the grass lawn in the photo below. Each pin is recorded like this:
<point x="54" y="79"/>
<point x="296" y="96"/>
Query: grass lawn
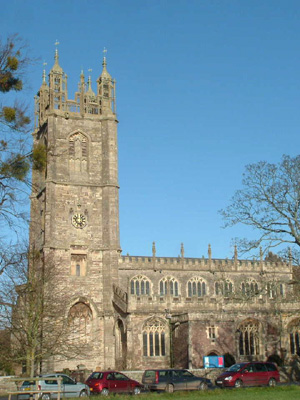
<point x="260" y="393"/>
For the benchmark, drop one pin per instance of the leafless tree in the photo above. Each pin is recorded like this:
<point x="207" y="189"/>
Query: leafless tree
<point x="269" y="202"/>
<point x="33" y="312"/>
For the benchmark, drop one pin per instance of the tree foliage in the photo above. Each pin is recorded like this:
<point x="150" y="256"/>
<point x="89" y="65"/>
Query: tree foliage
<point x="269" y="202"/>
<point x="14" y="128"/>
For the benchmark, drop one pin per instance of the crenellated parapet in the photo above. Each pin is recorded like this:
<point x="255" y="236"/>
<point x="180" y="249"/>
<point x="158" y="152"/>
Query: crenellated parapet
<point x="213" y="265"/>
<point x="207" y="284"/>
<point x="52" y="97"/>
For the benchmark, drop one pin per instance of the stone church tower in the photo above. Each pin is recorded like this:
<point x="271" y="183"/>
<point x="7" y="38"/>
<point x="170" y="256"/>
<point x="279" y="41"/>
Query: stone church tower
<point x="75" y="200"/>
<point x="137" y="312"/>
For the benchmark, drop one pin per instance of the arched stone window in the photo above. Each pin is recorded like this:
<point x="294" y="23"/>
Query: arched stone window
<point x="80" y="321"/>
<point x="169" y="286"/>
<point x="224" y="288"/>
<point x="294" y="336"/>
<point x="196" y="287"/>
<point x="140" y="285"/>
<point x="250" y="288"/>
<point x="275" y="289"/>
<point x="249" y="338"/>
<point x="78" y="153"/>
<point x="154" y="338"/>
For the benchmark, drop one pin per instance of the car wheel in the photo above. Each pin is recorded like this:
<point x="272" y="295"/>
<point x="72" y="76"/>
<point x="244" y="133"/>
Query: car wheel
<point x="272" y="382"/>
<point x="170" y="388"/>
<point x="45" y="396"/>
<point x="105" y="392"/>
<point x="136" y="390"/>
<point x="238" y="383"/>
<point x="83" y="393"/>
<point x="203" y="386"/>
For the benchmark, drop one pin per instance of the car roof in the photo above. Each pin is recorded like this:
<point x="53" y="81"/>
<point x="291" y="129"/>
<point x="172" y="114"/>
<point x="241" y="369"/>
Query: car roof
<point x="166" y="369"/>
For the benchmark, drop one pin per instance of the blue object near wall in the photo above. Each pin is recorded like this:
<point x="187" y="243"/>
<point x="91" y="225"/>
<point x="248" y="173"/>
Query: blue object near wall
<point x="213" y="361"/>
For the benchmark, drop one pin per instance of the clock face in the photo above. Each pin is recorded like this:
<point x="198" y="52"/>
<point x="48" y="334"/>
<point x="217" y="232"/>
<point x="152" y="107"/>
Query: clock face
<point x="79" y="220"/>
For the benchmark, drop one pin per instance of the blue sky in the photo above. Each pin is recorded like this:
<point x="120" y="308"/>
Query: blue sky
<point x="204" y="87"/>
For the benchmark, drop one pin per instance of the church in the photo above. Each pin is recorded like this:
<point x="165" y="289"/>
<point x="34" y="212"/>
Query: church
<point x="137" y="312"/>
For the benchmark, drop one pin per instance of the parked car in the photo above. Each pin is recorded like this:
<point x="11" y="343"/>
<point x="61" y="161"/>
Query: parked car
<point x="112" y="382"/>
<point x="68" y="387"/>
<point x="173" y="379"/>
<point x="249" y="374"/>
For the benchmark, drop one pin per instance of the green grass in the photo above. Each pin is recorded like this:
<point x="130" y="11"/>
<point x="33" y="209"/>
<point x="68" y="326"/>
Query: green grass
<point x="260" y="393"/>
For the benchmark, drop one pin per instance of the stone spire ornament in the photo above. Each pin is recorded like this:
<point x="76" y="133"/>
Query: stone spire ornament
<point x="209" y="252"/>
<point x="153" y="250"/>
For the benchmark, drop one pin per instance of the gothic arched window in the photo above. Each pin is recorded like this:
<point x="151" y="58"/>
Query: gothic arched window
<point x="249" y="338"/>
<point x="275" y="289"/>
<point x="224" y="288"/>
<point x="169" y="285"/>
<point x="154" y="338"/>
<point x="78" y="153"/>
<point x="196" y="287"/>
<point x="80" y="320"/>
<point x="250" y="288"/>
<point x="140" y="285"/>
<point x="294" y="336"/>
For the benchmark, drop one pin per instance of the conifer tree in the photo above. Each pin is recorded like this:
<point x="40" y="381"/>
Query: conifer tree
<point x="14" y="129"/>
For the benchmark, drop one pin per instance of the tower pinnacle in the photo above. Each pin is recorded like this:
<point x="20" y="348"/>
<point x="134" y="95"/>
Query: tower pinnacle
<point x="56" y="67"/>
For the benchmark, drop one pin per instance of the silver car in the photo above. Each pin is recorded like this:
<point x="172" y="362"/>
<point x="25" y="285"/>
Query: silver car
<point x="49" y="387"/>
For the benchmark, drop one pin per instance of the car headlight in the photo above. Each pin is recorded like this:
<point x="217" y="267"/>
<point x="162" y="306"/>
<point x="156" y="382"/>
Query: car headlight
<point x="228" y="378"/>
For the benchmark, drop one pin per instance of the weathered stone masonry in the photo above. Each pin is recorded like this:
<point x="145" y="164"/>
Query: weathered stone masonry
<point x="139" y="312"/>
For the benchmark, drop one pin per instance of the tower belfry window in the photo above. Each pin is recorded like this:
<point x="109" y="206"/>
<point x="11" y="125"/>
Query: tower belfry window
<point x="78" y="153"/>
<point x="78" y="264"/>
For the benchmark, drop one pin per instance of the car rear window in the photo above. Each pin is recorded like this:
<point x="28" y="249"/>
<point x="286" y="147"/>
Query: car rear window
<point x="149" y="374"/>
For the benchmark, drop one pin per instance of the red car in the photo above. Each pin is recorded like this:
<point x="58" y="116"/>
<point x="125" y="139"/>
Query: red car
<point x="249" y="374"/>
<point x="112" y="382"/>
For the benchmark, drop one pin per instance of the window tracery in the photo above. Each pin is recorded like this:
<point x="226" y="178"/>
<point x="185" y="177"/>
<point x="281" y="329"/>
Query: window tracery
<point x="294" y="337"/>
<point x="212" y="332"/>
<point x="224" y="288"/>
<point x="169" y="286"/>
<point x="250" y="288"/>
<point x="275" y="289"/>
<point x="154" y="338"/>
<point x="140" y="285"/>
<point x="78" y="152"/>
<point x="80" y="321"/>
<point x="196" y="287"/>
<point x="249" y="338"/>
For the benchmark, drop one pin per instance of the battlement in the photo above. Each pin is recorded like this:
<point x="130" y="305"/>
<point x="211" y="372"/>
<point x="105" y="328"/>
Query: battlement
<point x="203" y="264"/>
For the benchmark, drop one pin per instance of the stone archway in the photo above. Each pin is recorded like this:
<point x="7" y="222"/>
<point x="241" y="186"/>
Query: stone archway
<point x="121" y="345"/>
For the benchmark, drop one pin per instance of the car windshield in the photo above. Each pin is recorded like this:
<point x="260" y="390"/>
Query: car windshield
<point x="236" y="367"/>
<point x="28" y="383"/>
